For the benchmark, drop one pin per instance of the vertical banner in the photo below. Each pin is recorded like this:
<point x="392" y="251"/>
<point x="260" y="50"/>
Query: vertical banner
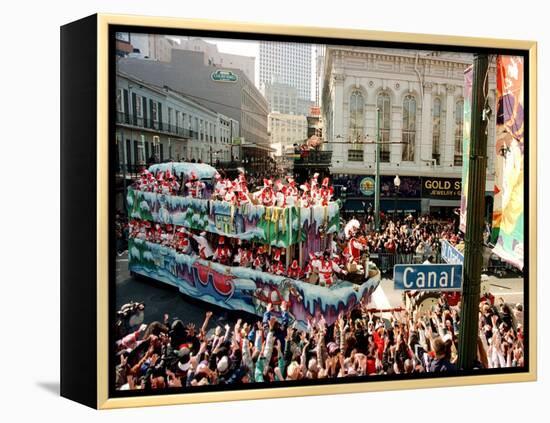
<point x="508" y="191"/>
<point x="468" y="81"/>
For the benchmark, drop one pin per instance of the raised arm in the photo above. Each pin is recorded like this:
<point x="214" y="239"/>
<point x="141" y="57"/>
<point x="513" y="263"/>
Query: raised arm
<point x="207" y="317"/>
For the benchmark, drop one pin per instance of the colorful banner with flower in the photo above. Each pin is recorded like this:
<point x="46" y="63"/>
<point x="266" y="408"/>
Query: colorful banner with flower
<point x="508" y="226"/>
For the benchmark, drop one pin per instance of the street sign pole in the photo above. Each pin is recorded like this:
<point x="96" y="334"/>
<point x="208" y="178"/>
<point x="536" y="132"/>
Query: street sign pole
<point x="377" y="180"/>
<point x="477" y="172"/>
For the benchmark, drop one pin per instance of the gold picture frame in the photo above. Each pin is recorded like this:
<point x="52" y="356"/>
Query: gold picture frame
<point x="101" y="196"/>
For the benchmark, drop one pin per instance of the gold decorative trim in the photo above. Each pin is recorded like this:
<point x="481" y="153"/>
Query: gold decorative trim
<point x="103" y="22"/>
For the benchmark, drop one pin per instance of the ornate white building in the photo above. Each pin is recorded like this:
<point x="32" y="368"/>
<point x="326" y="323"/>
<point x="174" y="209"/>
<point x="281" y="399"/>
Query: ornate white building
<point x="420" y="97"/>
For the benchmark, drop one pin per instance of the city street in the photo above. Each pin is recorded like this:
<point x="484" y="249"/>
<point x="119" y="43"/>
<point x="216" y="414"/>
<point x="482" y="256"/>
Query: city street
<point x="511" y="289"/>
<point x="161" y="298"/>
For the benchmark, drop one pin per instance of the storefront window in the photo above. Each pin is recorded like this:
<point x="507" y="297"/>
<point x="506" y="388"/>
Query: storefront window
<point x="383" y="104"/>
<point x="459" y="121"/>
<point x="409" y="128"/>
<point x="436" y="126"/>
<point x="356" y="116"/>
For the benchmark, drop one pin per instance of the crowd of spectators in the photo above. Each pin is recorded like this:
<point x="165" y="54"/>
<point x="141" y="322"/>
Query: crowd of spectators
<point x="172" y="354"/>
<point x="409" y="236"/>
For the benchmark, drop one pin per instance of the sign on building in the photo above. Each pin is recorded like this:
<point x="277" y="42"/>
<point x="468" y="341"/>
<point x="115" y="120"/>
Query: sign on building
<point x="224" y="76"/>
<point x="366" y="186"/>
<point x="441" y="188"/>
<point x="427" y="277"/>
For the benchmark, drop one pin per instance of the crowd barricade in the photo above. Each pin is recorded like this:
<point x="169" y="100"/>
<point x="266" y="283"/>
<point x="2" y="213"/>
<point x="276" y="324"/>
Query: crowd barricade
<point x="386" y="261"/>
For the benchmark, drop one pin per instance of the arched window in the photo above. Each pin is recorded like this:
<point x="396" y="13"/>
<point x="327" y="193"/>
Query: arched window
<point x="459" y="124"/>
<point x="409" y="128"/>
<point x="436" y="126"/>
<point x="383" y="104"/>
<point x="356" y="117"/>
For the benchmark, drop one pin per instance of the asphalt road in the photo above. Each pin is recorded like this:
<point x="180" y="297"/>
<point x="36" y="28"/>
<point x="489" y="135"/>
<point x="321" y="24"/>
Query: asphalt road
<point x="511" y="289"/>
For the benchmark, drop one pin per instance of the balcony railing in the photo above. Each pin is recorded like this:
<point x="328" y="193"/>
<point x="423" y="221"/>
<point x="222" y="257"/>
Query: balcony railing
<point x="314" y="158"/>
<point x="141" y="122"/>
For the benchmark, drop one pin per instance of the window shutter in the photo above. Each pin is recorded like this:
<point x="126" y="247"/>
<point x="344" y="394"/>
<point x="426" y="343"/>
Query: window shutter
<point x="159" y="108"/>
<point x="145" y="120"/>
<point x="134" y="108"/>
<point x="161" y="153"/>
<point x="128" y="153"/>
<point x="152" y="125"/>
<point x="136" y="158"/>
<point x="126" y="108"/>
<point x="147" y="155"/>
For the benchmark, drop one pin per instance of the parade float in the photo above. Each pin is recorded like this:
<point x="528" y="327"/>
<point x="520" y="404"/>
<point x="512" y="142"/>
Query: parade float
<point x="298" y="231"/>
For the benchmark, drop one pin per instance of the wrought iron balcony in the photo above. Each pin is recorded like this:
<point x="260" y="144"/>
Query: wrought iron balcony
<point x="144" y="123"/>
<point x="313" y="158"/>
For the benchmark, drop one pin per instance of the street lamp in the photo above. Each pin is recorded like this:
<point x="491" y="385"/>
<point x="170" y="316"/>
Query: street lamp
<point x="397" y="183"/>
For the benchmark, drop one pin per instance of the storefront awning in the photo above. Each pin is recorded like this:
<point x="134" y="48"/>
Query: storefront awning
<point x="402" y="205"/>
<point x="259" y="147"/>
<point x="352" y="206"/>
<point x="444" y="203"/>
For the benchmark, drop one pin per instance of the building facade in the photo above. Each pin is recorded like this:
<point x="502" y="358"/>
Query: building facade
<point x="213" y="57"/>
<point x="319" y="62"/>
<point x="288" y="63"/>
<point x="286" y="130"/>
<point x="152" y="46"/>
<point x="226" y="91"/>
<point x="420" y="100"/>
<point x="283" y="98"/>
<point x="156" y="124"/>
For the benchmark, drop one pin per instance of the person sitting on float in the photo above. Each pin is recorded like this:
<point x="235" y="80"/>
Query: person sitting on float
<point x="241" y="181"/>
<point x="314" y="267"/>
<point x="294" y="271"/>
<point x="173" y="182"/>
<point x="195" y="186"/>
<point x="162" y="186"/>
<point x="277" y="268"/>
<point x="292" y="193"/>
<point x="182" y="241"/>
<point x="220" y="187"/>
<point x="167" y="235"/>
<point x="354" y="246"/>
<point x="327" y="269"/>
<point x="205" y="250"/>
<point x="305" y="198"/>
<point x="280" y="194"/>
<point x="325" y="192"/>
<point x="222" y="254"/>
<point x="260" y="261"/>
<point x="240" y="196"/>
<point x="266" y="195"/>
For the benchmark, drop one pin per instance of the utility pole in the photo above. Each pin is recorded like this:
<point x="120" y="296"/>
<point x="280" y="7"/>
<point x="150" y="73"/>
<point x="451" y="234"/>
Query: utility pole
<point x="477" y="172"/>
<point x="377" y="179"/>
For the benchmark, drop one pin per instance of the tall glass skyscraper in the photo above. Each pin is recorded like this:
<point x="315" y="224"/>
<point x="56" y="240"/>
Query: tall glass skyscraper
<point x="287" y="63"/>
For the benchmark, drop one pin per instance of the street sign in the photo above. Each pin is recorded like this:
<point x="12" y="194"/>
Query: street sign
<point x="450" y="254"/>
<point x="427" y="277"/>
<point x="224" y="76"/>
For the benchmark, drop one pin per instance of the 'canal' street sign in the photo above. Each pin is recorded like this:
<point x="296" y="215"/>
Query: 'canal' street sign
<point x="427" y="277"/>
